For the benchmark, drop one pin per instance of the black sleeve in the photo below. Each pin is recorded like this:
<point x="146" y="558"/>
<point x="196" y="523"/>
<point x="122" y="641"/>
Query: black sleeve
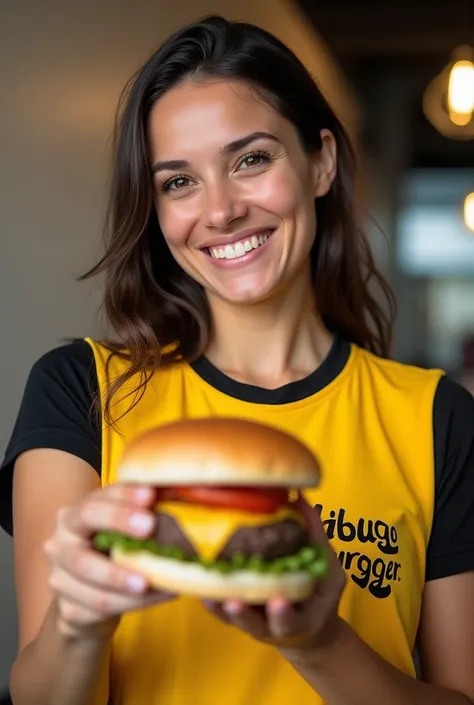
<point x="451" y="546"/>
<point x="56" y="412"/>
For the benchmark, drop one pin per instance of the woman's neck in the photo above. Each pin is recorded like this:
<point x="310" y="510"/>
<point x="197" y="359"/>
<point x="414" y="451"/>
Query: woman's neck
<point x="271" y="343"/>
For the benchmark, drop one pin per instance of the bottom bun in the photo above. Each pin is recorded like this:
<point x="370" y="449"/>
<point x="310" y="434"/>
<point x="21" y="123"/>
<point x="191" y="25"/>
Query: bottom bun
<point x="194" y="580"/>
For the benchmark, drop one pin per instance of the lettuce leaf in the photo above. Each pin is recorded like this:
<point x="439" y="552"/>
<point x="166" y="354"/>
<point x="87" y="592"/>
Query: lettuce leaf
<point x="310" y="558"/>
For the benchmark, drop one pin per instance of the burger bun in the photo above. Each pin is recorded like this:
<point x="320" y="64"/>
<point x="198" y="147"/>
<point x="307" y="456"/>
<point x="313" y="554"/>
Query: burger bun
<point x="218" y="451"/>
<point x="194" y="580"/>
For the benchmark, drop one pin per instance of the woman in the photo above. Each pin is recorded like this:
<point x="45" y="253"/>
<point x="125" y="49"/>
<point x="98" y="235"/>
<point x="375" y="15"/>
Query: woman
<point x="239" y="284"/>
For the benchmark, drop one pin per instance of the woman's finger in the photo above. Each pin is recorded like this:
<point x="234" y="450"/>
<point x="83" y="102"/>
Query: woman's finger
<point x="333" y="583"/>
<point x="281" y="616"/>
<point x="96" y="601"/>
<point x="73" y="617"/>
<point x="313" y="520"/>
<point x="216" y="609"/>
<point x="103" y="512"/>
<point x="247" y="618"/>
<point x="98" y="570"/>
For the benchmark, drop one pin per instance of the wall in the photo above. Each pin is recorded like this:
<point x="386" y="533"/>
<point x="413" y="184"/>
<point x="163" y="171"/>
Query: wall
<point x="62" y="67"/>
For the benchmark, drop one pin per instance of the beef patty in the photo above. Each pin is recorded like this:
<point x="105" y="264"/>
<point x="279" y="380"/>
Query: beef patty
<point x="269" y="541"/>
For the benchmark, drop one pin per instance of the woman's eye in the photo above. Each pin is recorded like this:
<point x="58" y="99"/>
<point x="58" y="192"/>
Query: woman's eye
<point x="253" y="160"/>
<point x="176" y="184"/>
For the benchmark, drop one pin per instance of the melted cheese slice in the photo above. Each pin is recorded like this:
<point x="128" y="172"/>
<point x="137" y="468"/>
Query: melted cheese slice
<point x="209" y="529"/>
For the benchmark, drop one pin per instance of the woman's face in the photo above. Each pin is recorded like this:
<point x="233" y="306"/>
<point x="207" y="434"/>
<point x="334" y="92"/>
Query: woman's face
<point x="234" y="190"/>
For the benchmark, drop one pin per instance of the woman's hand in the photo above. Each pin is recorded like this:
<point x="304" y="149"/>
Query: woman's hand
<point x="91" y="591"/>
<point x="308" y="625"/>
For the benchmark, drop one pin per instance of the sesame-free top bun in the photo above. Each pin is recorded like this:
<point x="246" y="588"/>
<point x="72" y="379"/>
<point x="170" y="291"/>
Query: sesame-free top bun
<point x="218" y="451"/>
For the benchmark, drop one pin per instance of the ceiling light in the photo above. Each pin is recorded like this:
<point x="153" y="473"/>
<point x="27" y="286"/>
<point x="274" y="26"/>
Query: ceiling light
<point x="469" y="211"/>
<point x="448" y="101"/>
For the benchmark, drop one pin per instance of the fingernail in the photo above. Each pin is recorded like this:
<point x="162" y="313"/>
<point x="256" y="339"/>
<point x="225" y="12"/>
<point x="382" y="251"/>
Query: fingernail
<point x="141" y="522"/>
<point x="136" y="583"/>
<point x="232" y="607"/>
<point x="142" y="494"/>
<point x="278" y="605"/>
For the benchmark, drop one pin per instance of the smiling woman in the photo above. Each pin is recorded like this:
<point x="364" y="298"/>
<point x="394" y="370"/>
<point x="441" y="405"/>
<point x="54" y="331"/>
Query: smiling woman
<point x="271" y="158"/>
<point x="240" y="284"/>
<point x="206" y="208"/>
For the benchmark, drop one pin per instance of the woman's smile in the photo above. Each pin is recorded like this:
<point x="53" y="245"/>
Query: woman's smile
<point x="239" y="250"/>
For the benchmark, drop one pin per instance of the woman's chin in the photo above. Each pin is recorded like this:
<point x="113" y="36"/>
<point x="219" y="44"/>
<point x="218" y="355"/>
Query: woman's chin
<point x="244" y="296"/>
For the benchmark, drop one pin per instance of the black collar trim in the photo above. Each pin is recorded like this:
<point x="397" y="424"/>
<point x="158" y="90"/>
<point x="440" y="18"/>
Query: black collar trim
<point x="330" y="368"/>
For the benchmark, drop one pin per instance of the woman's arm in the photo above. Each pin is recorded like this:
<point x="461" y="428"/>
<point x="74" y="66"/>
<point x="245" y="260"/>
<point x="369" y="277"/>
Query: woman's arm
<point x="348" y="672"/>
<point x="50" y="668"/>
<point x="55" y="669"/>
<point x="446" y="634"/>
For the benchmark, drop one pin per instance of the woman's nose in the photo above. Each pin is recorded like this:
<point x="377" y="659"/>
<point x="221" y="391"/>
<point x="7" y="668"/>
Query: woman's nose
<point x="223" y="205"/>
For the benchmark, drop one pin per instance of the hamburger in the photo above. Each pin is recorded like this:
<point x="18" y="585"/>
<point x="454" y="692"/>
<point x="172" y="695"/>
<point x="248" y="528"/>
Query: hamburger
<point x="227" y="526"/>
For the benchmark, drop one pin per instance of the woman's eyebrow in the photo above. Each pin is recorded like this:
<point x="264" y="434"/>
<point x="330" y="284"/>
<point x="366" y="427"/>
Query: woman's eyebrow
<point x="234" y="146"/>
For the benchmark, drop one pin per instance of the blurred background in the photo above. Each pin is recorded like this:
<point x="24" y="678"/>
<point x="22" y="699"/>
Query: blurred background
<point x="410" y="65"/>
<point x="401" y="76"/>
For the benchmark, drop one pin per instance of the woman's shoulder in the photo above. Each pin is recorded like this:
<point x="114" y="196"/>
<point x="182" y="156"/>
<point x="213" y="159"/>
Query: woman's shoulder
<point x="402" y="375"/>
<point x="62" y="382"/>
<point x="56" y="411"/>
<point x="65" y="371"/>
<point x="451" y="403"/>
<point x="75" y="356"/>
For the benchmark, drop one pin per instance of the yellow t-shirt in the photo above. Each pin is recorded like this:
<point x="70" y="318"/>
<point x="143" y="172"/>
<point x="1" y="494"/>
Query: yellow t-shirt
<point x="370" y="422"/>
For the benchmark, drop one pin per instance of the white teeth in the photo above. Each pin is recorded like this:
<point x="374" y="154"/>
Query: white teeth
<point x="238" y="249"/>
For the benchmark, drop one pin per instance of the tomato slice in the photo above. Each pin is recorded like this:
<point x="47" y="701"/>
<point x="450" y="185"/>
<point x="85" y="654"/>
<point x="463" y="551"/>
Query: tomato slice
<point x="260" y="500"/>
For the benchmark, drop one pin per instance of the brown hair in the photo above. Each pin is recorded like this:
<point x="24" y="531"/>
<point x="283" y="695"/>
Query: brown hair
<point x="149" y="300"/>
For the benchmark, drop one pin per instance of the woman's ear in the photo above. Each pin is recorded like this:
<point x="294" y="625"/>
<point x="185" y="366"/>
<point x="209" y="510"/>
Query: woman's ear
<point x="325" y="164"/>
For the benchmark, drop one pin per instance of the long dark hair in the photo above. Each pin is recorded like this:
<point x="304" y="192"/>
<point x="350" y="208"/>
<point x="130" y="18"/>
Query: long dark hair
<point x="160" y="314"/>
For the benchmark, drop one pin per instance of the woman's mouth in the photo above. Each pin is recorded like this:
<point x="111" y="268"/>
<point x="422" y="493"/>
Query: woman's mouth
<point x="239" y="249"/>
